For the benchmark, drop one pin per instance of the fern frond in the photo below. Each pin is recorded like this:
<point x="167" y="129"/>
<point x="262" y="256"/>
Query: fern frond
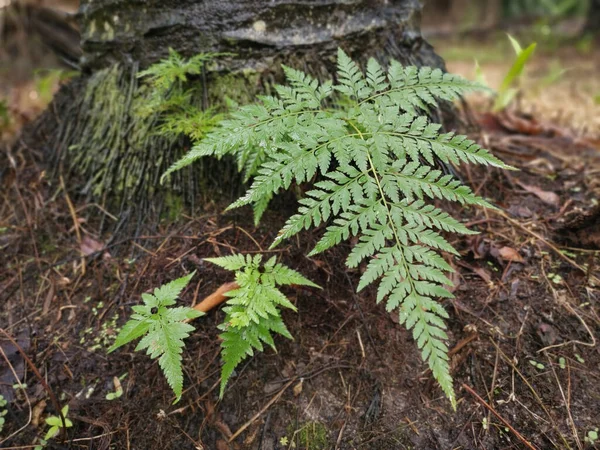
<point x="163" y="330"/>
<point x="253" y="310"/>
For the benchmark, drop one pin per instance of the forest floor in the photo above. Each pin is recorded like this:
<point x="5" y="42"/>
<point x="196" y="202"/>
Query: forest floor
<point x="523" y="327"/>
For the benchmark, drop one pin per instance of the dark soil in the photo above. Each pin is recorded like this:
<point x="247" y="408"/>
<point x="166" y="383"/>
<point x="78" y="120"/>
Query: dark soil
<point x="527" y="294"/>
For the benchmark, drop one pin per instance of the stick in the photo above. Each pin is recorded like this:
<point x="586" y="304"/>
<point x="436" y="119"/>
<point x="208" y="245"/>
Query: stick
<point x="499" y="417"/>
<point x="216" y="298"/>
<point x="262" y="411"/>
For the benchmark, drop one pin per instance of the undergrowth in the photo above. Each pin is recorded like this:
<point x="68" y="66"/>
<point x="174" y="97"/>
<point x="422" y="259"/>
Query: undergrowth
<point x="368" y="155"/>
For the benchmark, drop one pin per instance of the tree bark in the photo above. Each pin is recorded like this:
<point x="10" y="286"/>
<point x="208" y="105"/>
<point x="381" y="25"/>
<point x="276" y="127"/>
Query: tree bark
<point x="92" y="131"/>
<point x="592" y="24"/>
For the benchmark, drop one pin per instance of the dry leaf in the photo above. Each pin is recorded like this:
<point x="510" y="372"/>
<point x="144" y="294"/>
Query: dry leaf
<point x="510" y="254"/>
<point x="89" y="246"/>
<point x="298" y="389"/>
<point x="546" y="196"/>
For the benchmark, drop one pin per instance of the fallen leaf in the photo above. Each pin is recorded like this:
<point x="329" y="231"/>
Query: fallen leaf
<point x="510" y="254"/>
<point x="298" y="389"/>
<point x="546" y="196"/>
<point x="89" y="246"/>
<point x="36" y="413"/>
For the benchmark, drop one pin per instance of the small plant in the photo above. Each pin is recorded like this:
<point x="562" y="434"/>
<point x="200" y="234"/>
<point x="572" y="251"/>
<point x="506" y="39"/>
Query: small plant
<point x="253" y="309"/>
<point x="311" y="435"/>
<point x="3" y="412"/>
<point x="367" y="155"/>
<point x="163" y="330"/>
<point x="536" y="364"/>
<point x="171" y="98"/>
<point x="118" y="392"/>
<point x="509" y="87"/>
<point x="56" y="425"/>
<point x="592" y="436"/>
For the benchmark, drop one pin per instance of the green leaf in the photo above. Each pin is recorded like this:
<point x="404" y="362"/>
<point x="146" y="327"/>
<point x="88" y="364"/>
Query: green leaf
<point x="131" y="331"/>
<point x="54" y="421"/>
<point x="162" y="330"/>
<point x="53" y="431"/>
<point x="253" y="310"/>
<point x="506" y="91"/>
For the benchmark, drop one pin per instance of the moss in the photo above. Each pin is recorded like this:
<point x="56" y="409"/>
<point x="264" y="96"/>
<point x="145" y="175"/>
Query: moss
<point x="312" y="435"/>
<point x="116" y="147"/>
<point x="241" y="86"/>
<point x="174" y="206"/>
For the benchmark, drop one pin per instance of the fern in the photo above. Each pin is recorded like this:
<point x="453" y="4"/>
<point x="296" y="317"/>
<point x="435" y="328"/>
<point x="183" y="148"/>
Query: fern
<point x="252" y="313"/>
<point x="173" y="101"/>
<point x="162" y="330"/>
<point x="375" y="160"/>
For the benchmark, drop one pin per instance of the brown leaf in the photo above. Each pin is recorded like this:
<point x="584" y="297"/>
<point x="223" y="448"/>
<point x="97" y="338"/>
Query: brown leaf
<point x="483" y="274"/>
<point x="89" y="246"/>
<point x="548" y="197"/>
<point x="510" y="254"/>
<point x="298" y="389"/>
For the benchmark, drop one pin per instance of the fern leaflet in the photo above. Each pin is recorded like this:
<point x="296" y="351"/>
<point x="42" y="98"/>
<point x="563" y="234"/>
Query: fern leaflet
<point x="253" y="310"/>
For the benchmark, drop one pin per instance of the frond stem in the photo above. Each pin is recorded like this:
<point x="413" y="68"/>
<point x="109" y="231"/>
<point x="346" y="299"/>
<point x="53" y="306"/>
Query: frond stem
<point x="388" y="211"/>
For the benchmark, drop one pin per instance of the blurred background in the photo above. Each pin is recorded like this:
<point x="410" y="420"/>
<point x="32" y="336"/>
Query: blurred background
<point x="559" y="82"/>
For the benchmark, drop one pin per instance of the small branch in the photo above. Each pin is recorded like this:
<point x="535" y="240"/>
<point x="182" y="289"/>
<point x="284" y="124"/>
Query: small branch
<point x="216" y="298"/>
<point x="262" y="411"/>
<point x="499" y="417"/>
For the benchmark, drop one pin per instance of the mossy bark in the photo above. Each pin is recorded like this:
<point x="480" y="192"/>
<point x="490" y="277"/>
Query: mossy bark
<point x="94" y="132"/>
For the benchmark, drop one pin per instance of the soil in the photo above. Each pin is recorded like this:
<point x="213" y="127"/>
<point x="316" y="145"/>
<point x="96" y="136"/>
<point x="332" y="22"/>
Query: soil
<point x="523" y="327"/>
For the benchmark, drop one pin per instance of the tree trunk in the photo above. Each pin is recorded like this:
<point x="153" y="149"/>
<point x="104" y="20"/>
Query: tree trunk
<point x="92" y="130"/>
<point x="592" y="24"/>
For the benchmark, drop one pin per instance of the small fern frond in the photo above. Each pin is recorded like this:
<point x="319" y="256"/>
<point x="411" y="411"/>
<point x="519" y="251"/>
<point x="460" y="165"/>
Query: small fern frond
<point x="253" y="309"/>
<point x="163" y="330"/>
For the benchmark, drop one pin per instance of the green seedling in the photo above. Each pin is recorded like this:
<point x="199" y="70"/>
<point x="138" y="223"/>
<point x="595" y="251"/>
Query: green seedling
<point x="536" y="364"/>
<point x="56" y="424"/>
<point x="3" y="412"/>
<point x="509" y="87"/>
<point x="592" y="436"/>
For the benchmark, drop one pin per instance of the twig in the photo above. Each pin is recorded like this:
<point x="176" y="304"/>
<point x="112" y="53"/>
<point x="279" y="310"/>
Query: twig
<point x="75" y="221"/>
<point x="537" y="236"/>
<point x="566" y="402"/>
<point x="499" y="417"/>
<point x="12" y="369"/>
<point x="262" y="411"/>
<point x="216" y="298"/>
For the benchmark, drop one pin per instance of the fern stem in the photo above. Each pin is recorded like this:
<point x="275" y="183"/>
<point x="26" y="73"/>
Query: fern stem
<point x="388" y="210"/>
